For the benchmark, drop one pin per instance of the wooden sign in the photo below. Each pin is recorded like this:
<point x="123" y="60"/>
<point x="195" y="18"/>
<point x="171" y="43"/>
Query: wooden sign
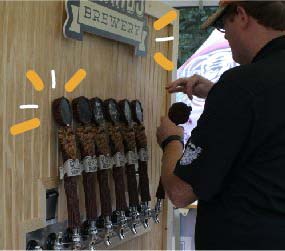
<point x="121" y="20"/>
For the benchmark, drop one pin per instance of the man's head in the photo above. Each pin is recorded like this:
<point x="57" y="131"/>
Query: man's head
<point x="249" y="25"/>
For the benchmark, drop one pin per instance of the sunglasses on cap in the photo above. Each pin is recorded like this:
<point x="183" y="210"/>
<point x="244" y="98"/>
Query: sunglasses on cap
<point x="219" y="24"/>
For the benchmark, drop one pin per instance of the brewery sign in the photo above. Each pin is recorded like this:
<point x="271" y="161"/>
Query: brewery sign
<point x="120" y="20"/>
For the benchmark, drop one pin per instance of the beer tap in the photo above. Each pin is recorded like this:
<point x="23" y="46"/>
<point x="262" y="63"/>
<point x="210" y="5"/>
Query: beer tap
<point x="33" y="245"/>
<point x="120" y="220"/>
<point x="62" y="113"/>
<point x="129" y="140"/>
<point x="58" y="245"/>
<point x="92" y="246"/>
<point x="141" y="143"/>
<point x="105" y="162"/>
<point x="93" y="233"/>
<point x="117" y="146"/>
<point x="54" y="241"/>
<point x="160" y="196"/>
<point x="76" y="239"/>
<point x="85" y="138"/>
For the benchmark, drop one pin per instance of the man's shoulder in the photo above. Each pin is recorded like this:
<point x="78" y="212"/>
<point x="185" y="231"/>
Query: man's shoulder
<point x="248" y="79"/>
<point x="235" y="80"/>
<point x="241" y="71"/>
<point x="256" y="78"/>
<point x="240" y="75"/>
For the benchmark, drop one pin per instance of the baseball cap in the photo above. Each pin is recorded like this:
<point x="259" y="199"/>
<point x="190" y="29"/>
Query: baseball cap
<point x="214" y="17"/>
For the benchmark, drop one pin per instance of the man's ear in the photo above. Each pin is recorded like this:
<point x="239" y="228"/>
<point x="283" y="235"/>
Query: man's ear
<point x="243" y="17"/>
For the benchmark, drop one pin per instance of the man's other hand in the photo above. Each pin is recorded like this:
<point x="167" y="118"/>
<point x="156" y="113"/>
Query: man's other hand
<point x="193" y="86"/>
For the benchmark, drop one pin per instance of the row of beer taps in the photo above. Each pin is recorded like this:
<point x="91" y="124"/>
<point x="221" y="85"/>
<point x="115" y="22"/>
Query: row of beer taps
<point x="107" y="138"/>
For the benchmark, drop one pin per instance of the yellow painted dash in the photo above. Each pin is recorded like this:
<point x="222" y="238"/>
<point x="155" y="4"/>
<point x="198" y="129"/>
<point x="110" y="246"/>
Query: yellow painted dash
<point x="165" y="20"/>
<point x="35" y="80"/>
<point x="25" y="126"/>
<point x="75" y="80"/>
<point x="163" y="61"/>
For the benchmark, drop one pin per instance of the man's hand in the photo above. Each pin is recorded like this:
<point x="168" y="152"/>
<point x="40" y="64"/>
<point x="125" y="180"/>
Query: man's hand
<point x="167" y="128"/>
<point x="195" y="85"/>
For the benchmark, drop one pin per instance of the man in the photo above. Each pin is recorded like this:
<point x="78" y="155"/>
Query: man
<point x="234" y="162"/>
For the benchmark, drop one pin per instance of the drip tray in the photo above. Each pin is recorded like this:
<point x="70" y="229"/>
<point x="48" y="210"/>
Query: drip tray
<point x="41" y="236"/>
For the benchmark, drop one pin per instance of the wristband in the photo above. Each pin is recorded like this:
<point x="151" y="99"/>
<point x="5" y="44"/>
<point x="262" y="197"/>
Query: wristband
<point x="169" y="139"/>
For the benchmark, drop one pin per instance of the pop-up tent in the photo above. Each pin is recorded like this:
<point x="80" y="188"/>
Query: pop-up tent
<point x="210" y="61"/>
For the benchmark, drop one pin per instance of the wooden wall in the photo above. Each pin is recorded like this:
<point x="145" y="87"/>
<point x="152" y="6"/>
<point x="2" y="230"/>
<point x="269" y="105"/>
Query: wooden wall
<point x="31" y="38"/>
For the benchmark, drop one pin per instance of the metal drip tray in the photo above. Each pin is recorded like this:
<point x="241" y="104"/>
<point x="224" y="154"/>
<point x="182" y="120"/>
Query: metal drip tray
<point x="41" y="236"/>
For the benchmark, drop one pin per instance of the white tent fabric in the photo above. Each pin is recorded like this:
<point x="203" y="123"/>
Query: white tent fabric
<point x="210" y="61"/>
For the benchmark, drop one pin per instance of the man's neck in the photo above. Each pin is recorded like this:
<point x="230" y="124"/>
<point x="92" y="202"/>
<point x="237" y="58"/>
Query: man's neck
<point x="261" y="39"/>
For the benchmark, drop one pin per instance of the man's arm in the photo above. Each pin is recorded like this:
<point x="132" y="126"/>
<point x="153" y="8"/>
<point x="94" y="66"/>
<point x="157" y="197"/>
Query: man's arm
<point x="179" y="192"/>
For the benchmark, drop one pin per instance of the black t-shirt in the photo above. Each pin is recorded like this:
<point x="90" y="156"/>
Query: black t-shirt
<point x="235" y="158"/>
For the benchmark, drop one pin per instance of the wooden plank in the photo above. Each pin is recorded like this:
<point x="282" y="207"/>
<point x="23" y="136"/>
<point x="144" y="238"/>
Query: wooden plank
<point x="3" y="129"/>
<point x="18" y="172"/>
<point x="29" y="162"/>
<point x="29" y="42"/>
<point x="10" y="120"/>
<point x="168" y="208"/>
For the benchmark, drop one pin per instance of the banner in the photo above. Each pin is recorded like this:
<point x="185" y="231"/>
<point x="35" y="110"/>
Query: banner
<point x="120" y="20"/>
